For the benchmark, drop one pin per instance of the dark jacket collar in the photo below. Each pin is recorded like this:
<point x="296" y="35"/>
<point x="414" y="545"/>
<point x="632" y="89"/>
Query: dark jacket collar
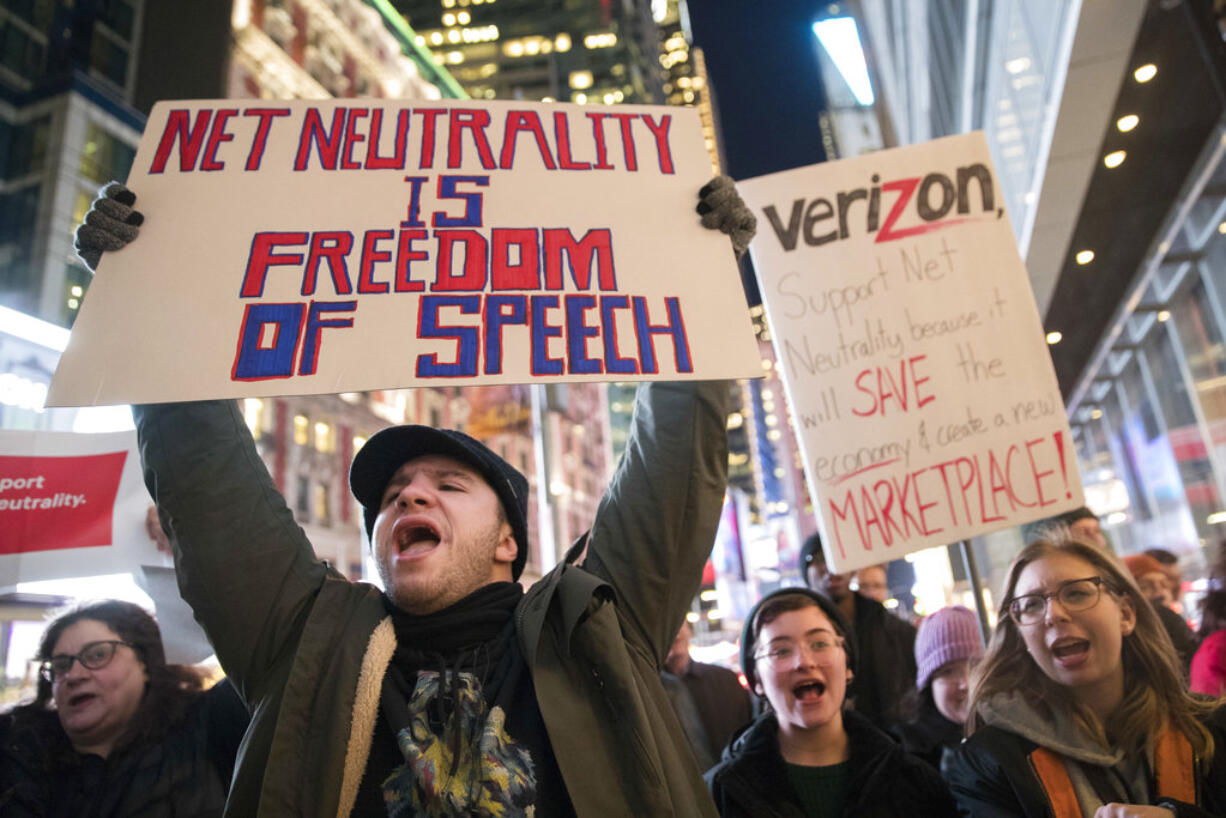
<point x="753" y="765"/>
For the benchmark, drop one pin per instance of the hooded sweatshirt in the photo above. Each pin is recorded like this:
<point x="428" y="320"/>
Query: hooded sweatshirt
<point x="1099" y="774"/>
<point x="1029" y="763"/>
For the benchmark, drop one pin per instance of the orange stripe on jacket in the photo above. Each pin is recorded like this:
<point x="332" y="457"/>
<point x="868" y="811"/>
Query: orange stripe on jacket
<point x="1049" y="767"/>
<point x="1174" y="764"/>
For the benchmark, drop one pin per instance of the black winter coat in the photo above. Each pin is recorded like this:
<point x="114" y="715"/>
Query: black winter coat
<point x="186" y="775"/>
<point x="885" y="662"/>
<point x="929" y="736"/>
<point x="885" y="782"/>
<point x="991" y="777"/>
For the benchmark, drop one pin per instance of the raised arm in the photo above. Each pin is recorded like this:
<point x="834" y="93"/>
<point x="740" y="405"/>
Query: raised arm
<point x="244" y="565"/>
<point x="657" y="520"/>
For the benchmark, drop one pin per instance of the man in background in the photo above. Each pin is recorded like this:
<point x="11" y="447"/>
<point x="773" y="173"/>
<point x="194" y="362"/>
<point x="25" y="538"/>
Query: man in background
<point x="872" y="582"/>
<point x="1174" y="575"/>
<point x="885" y="644"/>
<point x="1154" y="583"/>
<point x="1080" y="522"/>
<point x="723" y="705"/>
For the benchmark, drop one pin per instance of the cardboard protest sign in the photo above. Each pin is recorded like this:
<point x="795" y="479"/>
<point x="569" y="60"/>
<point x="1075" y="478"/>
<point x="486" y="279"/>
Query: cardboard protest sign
<point x="71" y="505"/>
<point x="911" y="349"/>
<point x="307" y="247"/>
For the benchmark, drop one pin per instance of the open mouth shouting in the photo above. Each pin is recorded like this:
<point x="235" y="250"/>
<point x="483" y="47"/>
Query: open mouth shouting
<point x="415" y="537"/>
<point x="809" y="691"/>
<point x="1070" y="651"/>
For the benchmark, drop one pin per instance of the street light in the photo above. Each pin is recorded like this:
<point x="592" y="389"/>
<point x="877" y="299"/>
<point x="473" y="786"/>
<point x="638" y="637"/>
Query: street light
<point x="841" y="39"/>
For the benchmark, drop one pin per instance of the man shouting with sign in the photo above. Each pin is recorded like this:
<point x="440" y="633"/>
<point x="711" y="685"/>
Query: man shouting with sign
<point x="454" y="692"/>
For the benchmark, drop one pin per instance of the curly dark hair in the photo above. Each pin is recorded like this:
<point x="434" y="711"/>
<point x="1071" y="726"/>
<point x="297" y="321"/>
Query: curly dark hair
<point x="171" y="688"/>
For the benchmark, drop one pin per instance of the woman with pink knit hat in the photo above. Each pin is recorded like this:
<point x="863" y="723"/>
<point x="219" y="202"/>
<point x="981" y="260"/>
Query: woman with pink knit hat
<point x="946" y="647"/>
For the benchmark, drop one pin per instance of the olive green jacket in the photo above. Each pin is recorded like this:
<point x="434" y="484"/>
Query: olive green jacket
<point x="307" y="648"/>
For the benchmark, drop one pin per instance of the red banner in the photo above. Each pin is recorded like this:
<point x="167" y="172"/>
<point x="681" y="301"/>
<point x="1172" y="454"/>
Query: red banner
<point x="50" y="503"/>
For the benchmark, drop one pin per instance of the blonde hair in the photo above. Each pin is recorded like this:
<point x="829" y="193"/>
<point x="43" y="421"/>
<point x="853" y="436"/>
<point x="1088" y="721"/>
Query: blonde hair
<point x="1155" y="693"/>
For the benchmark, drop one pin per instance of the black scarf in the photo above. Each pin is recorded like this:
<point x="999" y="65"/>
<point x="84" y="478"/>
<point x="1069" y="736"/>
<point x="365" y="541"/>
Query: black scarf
<point x="472" y="635"/>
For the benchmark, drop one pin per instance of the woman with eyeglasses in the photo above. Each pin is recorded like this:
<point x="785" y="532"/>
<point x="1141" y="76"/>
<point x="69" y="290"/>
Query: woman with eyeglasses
<point x="1078" y="707"/>
<point x="115" y="731"/>
<point x="808" y="755"/>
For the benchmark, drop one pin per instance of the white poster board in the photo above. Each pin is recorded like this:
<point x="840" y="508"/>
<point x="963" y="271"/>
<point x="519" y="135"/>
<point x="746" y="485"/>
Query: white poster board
<point x="71" y="505"/>
<point x="911" y="349"/>
<point x="307" y="247"/>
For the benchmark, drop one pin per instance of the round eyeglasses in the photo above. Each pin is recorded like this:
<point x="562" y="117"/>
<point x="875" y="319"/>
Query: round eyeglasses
<point x="1073" y="595"/>
<point x="783" y="655"/>
<point x="94" y="656"/>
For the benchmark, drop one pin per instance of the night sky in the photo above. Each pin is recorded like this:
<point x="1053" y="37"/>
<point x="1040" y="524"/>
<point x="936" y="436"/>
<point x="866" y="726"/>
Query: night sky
<point x="762" y="62"/>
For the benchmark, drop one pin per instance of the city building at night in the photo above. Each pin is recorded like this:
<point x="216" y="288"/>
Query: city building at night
<point x="534" y="50"/>
<point x="67" y="126"/>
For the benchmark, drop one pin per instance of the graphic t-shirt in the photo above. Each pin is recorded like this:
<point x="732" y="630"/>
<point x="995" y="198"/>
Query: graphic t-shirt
<point x="461" y="732"/>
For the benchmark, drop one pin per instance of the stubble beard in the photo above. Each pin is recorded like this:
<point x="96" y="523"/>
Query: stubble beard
<point x="467" y="570"/>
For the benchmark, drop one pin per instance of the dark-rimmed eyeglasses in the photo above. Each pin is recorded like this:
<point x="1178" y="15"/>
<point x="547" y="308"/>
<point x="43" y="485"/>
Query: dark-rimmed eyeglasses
<point x="1073" y="595"/>
<point x="94" y="656"/>
<point x="821" y="649"/>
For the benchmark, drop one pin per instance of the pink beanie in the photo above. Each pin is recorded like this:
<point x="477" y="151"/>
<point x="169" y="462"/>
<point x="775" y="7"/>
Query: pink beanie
<point x="950" y="633"/>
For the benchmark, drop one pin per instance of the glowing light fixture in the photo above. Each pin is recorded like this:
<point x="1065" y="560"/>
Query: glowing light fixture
<point x="1018" y="65"/>
<point x="1164" y="316"/>
<point x="1145" y="73"/>
<point x="1114" y="159"/>
<point x="1127" y="123"/>
<point x="841" y="39"/>
<point x="1216" y="517"/>
<point x="1084" y="257"/>
<point x="1054" y="337"/>
<point x="34" y="330"/>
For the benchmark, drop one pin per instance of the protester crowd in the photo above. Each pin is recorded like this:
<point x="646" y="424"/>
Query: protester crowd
<point x="455" y="691"/>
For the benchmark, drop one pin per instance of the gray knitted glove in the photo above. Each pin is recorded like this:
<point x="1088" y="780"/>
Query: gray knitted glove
<point x="109" y="225"/>
<point x="723" y="209"/>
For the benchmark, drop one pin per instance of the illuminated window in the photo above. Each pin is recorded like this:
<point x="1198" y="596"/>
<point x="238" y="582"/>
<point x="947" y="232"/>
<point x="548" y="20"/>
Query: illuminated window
<point x="325" y="441"/>
<point x="322" y="504"/>
<point x="253" y="413"/>
<point x="600" y="40"/>
<point x="301" y="427"/>
<point x="81" y="206"/>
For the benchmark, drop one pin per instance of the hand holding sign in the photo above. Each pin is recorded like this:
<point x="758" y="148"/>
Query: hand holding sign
<point x="911" y="350"/>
